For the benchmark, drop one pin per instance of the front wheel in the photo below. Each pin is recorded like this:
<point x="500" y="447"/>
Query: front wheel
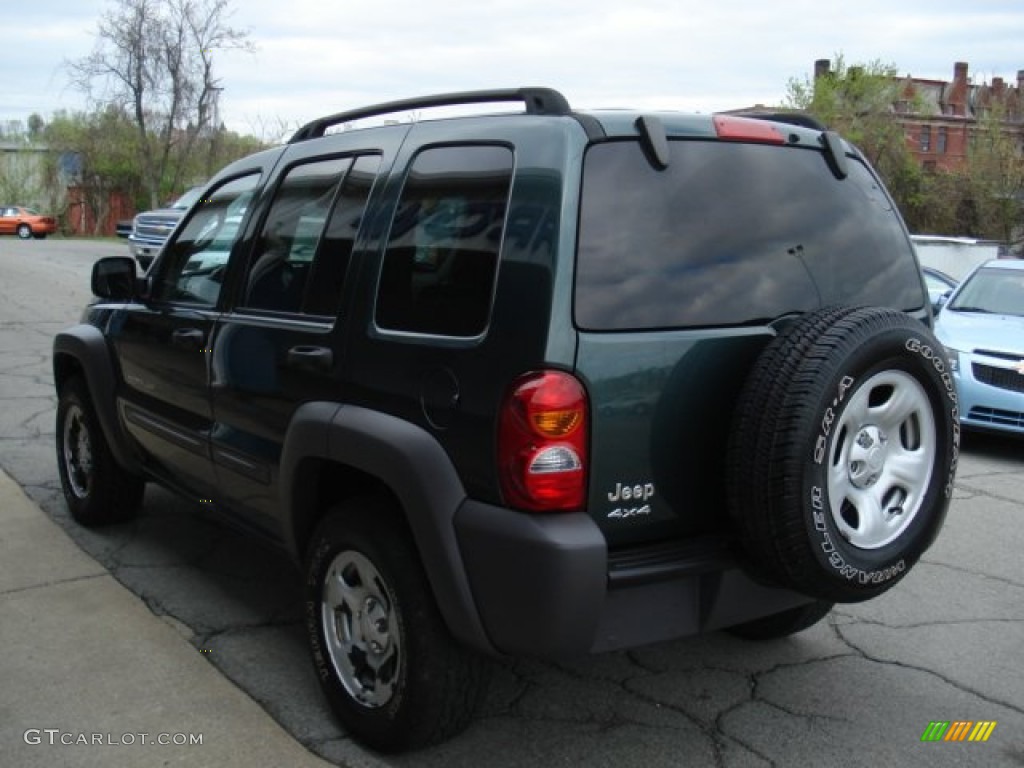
<point x="98" y="491"/>
<point x="24" y="231"/>
<point x="385" y="660"/>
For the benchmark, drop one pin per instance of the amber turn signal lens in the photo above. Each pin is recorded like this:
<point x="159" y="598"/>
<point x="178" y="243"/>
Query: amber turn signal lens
<point x="557" y="423"/>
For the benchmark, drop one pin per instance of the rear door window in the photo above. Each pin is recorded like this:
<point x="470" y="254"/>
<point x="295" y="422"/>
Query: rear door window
<point x="732" y="234"/>
<point x="303" y="253"/>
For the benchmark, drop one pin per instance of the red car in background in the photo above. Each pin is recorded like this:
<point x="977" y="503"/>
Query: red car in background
<point x="25" y="222"/>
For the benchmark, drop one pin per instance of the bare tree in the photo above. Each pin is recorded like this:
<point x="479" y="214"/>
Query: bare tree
<point x="155" y="59"/>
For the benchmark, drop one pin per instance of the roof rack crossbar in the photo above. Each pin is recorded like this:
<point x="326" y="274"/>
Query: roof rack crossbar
<point x="538" y="101"/>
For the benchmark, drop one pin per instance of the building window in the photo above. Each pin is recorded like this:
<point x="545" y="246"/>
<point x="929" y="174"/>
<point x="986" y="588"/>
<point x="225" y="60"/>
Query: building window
<point x="924" y="142"/>
<point x="940" y="143"/>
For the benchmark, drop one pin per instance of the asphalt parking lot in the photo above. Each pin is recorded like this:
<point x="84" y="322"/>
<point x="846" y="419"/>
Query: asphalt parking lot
<point x="858" y="690"/>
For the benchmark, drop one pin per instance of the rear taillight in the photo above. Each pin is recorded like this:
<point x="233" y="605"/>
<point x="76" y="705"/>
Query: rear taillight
<point x="542" y="443"/>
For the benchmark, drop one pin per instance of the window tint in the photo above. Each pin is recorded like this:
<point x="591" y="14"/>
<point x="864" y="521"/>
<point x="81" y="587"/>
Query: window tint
<point x="442" y="253"/>
<point x="284" y="252"/>
<point x="192" y="270"/>
<point x="303" y="253"/>
<point x="732" y="234"/>
<point x="323" y="293"/>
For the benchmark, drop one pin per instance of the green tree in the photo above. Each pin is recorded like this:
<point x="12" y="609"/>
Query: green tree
<point x="36" y="125"/>
<point x="154" y="60"/>
<point x="94" y="151"/>
<point x="23" y="171"/>
<point x="858" y="102"/>
<point x="932" y="202"/>
<point x="996" y="174"/>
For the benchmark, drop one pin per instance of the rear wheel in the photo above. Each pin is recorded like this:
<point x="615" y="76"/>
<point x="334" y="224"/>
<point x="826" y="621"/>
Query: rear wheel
<point x="98" y="491"/>
<point x="385" y="659"/>
<point x="24" y="231"/>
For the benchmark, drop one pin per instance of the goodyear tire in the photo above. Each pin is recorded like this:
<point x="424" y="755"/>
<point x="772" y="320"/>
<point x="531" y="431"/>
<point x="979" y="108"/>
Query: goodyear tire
<point x="385" y="660"/>
<point x="843" y="453"/>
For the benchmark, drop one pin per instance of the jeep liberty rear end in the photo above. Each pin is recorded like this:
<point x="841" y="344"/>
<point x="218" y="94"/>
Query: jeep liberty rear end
<point x="542" y="383"/>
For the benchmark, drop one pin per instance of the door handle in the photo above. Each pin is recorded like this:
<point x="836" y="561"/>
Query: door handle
<point x="187" y="337"/>
<point x="307" y="358"/>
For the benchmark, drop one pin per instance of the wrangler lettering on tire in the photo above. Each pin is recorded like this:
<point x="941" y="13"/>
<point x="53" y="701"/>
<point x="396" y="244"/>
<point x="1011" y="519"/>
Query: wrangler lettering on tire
<point x="843" y="453"/>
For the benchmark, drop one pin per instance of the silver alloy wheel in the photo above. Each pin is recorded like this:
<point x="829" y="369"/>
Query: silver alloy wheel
<point x="882" y="453"/>
<point x="24" y="231"/>
<point x="361" y="629"/>
<point x="76" y="450"/>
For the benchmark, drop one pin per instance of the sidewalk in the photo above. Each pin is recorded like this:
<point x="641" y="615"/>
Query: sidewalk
<point x="90" y="677"/>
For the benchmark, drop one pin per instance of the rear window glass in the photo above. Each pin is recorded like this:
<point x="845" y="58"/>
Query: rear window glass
<point x="731" y="234"/>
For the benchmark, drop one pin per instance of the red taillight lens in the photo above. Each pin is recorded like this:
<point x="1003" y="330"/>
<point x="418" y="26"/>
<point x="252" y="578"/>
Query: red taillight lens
<point x="542" y="443"/>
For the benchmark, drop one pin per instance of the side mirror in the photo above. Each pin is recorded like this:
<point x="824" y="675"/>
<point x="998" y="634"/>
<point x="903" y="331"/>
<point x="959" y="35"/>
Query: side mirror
<point x="940" y="302"/>
<point x="114" y="277"/>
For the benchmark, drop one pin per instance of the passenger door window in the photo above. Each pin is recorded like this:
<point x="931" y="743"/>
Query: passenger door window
<point x="192" y="271"/>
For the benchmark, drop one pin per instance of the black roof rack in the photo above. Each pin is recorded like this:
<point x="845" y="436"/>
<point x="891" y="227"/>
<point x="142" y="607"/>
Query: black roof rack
<point x="539" y="101"/>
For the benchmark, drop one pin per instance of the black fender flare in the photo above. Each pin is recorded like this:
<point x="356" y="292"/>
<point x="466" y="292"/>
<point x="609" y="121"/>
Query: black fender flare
<point x="415" y="467"/>
<point x="84" y="348"/>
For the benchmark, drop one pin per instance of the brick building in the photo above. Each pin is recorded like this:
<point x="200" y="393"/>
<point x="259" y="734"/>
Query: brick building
<point x="939" y="116"/>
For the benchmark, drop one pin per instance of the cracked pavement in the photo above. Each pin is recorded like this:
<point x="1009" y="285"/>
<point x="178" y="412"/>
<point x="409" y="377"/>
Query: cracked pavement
<point x="856" y="690"/>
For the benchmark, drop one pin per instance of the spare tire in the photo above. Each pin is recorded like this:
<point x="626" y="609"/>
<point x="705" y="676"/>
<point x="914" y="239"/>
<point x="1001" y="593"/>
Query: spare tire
<point x="843" y="452"/>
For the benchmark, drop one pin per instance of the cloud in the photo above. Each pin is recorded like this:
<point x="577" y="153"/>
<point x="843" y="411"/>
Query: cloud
<point x="314" y="58"/>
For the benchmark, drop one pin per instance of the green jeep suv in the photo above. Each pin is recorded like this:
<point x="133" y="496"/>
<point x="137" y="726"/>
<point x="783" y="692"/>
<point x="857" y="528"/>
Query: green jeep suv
<point x="545" y="382"/>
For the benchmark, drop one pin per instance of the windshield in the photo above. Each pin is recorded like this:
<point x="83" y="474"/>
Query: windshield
<point x="992" y="290"/>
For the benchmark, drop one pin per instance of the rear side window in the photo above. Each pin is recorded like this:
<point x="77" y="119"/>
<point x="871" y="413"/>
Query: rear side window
<point x="439" y="268"/>
<point x="731" y="234"/>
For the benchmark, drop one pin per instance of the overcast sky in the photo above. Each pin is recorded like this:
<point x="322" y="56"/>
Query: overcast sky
<point x="315" y="57"/>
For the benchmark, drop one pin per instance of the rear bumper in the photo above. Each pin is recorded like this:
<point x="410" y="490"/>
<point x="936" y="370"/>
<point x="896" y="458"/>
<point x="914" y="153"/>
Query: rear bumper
<point x="544" y="585"/>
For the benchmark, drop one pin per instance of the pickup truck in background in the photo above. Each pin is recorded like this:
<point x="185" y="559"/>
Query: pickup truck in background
<point x="150" y="229"/>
